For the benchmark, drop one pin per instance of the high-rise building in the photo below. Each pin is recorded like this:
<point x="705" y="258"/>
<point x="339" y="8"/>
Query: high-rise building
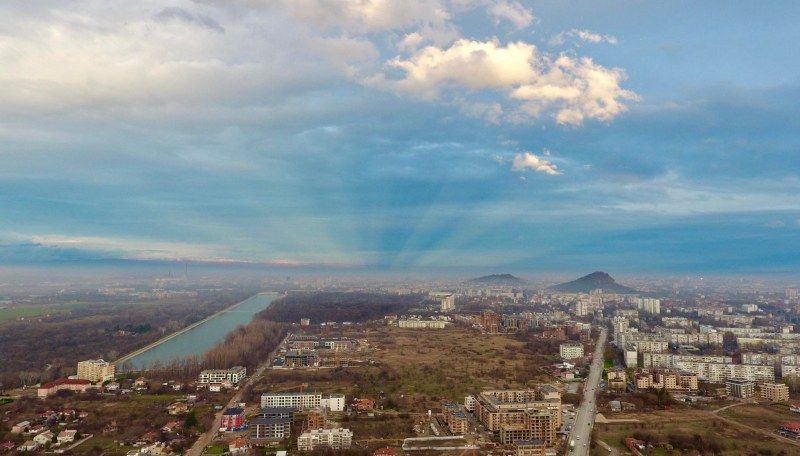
<point x="447" y="301"/>
<point x="650" y="305"/>
<point x="96" y="370"/>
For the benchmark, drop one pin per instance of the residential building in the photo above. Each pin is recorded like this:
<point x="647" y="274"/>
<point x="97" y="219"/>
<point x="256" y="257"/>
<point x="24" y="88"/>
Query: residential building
<point x="447" y="301"/>
<point x="668" y="379"/>
<point x="96" y="370"/>
<point x="737" y="387"/>
<point x="72" y="384"/>
<point x="650" y="305"/>
<point x="233" y="375"/>
<point x="422" y="324"/>
<point x="232" y="419"/>
<point x="795" y="407"/>
<point x="238" y="446"/>
<point x="333" y="402"/>
<point x="494" y="408"/>
<point x="300" y="401"/>
<point x="530" y="448"/>
<point x="631" y="355"/>
<point x="469" y="403"/>
<point x="316" y="419"/>
<point x="571" y="350"/>
<point x="337" y="439"/>
<point x="44" y="438"/>
<point x="775" y="392"/>
<point x="620" y="325"/>
<point x="277" y="412"/>
<point x="66" y="436"/>
<point x="537" y="423"/>
<point x="267" y="430"/>
<point x="791" y="430"/>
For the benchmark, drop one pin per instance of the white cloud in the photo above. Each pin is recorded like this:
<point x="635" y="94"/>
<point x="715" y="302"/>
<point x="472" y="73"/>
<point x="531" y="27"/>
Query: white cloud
<point x="528" y="161"/>
<point x="586" y="36"/>
<point x="572" y="89"/>
<point x="511" y="11"/>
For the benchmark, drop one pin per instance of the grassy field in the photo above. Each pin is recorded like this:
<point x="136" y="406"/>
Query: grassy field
<point x="688" y="428"/>
<point x="14" y="313"/>
<point x="766" y="417"/>
<point x="415" y="370"/>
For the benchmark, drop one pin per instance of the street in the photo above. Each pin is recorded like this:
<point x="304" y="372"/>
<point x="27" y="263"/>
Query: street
<point x="584" y="419"/>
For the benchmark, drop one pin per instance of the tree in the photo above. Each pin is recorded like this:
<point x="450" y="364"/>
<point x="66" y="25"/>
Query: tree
<point x="191" y="420"/>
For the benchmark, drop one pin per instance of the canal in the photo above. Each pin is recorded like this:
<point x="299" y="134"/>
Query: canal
<point x="205" y="336"/>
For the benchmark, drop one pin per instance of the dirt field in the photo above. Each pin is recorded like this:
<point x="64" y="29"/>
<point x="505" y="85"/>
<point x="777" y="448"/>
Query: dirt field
<point x="414" y="370"/>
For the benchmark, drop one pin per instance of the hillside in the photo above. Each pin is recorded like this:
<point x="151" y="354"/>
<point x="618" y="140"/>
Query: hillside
<point x="497" y="279"/>
<point x="591" y="282"/>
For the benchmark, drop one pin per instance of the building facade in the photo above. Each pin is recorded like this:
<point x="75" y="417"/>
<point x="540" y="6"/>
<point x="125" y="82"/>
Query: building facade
<point x="337" y="439"/>
<point x="96" y="370"/>
<point x="233" y="375"/>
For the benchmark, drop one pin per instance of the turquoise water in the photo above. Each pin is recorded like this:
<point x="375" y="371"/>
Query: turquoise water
<point x="202" y="338"/>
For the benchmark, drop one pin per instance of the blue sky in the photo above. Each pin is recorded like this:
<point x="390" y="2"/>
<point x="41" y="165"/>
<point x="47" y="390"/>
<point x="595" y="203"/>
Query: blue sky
<point x="403" y="135"/>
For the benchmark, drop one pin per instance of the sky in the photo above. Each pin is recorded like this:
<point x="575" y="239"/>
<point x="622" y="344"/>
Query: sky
<point x="428" y="135"/>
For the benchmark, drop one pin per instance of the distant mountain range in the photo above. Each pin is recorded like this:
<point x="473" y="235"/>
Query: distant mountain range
<point x="591" y="282"/>
<point x="497" y="279"/>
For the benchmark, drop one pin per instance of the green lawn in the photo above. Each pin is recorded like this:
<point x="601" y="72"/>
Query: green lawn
<point x="13" y="313"/>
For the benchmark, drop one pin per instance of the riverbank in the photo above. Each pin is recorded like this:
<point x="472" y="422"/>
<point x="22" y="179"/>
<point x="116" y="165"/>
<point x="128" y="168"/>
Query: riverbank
<point x="122" y="360"/>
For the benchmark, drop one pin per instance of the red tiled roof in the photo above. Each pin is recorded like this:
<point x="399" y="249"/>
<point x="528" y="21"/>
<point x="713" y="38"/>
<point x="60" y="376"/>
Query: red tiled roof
<point x="793" y="426"/>
<point x="66" y="381"/>
<point x="385" y="452"/>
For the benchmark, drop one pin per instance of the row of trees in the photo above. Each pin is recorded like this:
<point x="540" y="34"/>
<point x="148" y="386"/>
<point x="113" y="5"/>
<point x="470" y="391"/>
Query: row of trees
<point x="336" y="306"/>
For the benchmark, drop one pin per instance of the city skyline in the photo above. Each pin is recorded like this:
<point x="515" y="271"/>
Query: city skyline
<point x="410" y="135"/>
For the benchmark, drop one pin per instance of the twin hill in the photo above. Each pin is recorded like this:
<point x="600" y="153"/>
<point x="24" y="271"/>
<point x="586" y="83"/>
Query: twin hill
<point x="591" y="282"/>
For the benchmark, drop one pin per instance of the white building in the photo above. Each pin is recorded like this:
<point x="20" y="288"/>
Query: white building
<point x="571" y="350"/>
<point x="233" y="375"/>
<point x="447" y="301"/>
<point x="422" y="324"/>
<point x="620" y="325"/>
<point x="650" y="305"/>
<point x="334" y="402"/>
<point x="631" y="356"/>
<point x="96" y="370"/>
<point x="337" y="439"/>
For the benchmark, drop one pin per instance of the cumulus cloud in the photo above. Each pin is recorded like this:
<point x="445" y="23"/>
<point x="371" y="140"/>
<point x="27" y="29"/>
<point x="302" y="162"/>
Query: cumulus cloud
<point x="586" y="36"/>
<point x="511" y="11"/>
<point x="527" y="161"/>
<point x="572" y="89"/>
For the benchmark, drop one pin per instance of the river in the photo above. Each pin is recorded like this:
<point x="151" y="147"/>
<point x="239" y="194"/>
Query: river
<point x="205" y="336"/>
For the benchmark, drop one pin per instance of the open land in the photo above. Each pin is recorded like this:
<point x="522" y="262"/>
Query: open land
<point x="687" y="428"/>
<point x="414" y="370"/>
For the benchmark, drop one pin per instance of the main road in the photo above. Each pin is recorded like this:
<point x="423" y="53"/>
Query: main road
<point x="584" y="420"/>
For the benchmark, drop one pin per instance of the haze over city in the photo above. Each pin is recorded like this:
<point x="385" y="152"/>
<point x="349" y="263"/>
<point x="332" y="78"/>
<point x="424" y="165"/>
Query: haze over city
<point x="400" y="136"/>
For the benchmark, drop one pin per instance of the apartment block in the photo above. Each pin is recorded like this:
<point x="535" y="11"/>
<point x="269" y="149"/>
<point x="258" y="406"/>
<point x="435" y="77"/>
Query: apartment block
<point x="337" y="439"/>
<point x="537" y="423"/>
<point x="668" y="379"/>
<point x="301" y="401"/>
<point x="422" y="324"/>
<point x="571" y="350"/>
<point x="650" y="305"/>
<point x="737" y="387"/>
<point x="775" y="392"/>
<point x="266" y="430"/>
<point x="233" y="375"/>
<point x="96" y="370"/>
<point x="497" y="407"/>
<point x="530" y="448"/>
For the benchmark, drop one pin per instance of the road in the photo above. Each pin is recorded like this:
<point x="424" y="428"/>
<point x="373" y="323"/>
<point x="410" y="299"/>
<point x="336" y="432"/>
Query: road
<point x="584" y="419"/>
<point x="205" y="439"/>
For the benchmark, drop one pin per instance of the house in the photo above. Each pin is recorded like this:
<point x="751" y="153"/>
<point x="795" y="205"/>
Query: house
<point x="795" y="407"/>
<point x="386" y="451"/>
<point x="113" y="386"/>
<point x="171" y="427"/>
<point x="7" y="446"/>
<point x="20" y="427"/>
<point x="44" y="438"/>
<point x="67" y="436"/>
<point x="30" y="445"/>
<point x="363" y="404"/>
<point x="178" y="408"/>
<point x="238" y="446"/>
<point x="36" y="429"/>
<point x="140" y="382"/>
<point x="215" y="387"/>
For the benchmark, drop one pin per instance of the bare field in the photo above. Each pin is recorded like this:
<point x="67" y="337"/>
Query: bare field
<point x="416" y="369"/>
<point x="688" y="429"/>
